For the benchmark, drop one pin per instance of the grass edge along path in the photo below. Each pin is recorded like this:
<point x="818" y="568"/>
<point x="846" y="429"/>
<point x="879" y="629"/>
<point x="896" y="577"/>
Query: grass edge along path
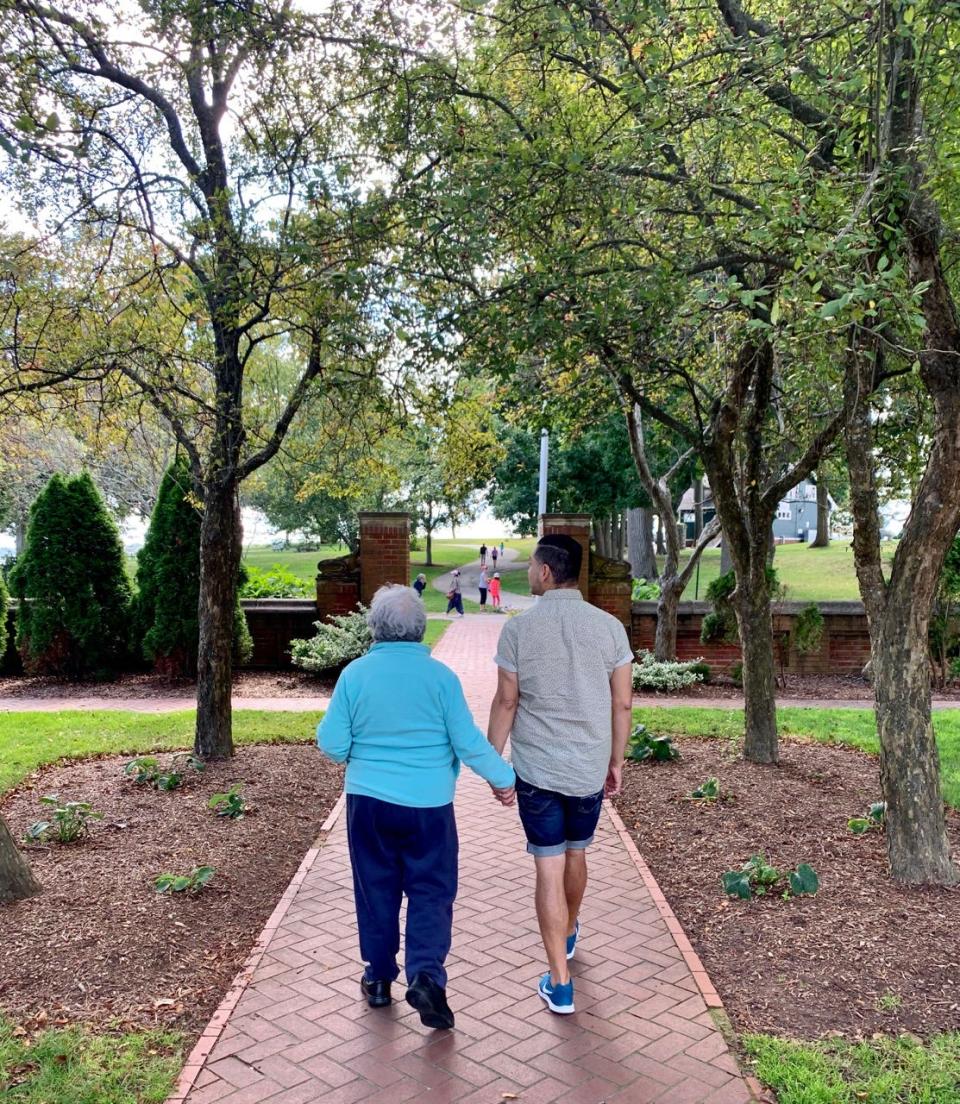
<point x="881" y="1070"/>
<point x="854" y="728"/>
<point x="74" y="1065"/>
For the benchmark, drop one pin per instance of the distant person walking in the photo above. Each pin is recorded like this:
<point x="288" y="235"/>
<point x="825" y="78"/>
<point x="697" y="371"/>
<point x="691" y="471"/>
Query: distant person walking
<point x="495" y="590"/>
<point x="493" y="556"/>
<point x="420" y="584"/>
<point x="455" y="593"/>
<point x="483" y="582"/>
<point x="501" y="549"/>
<point x="483" y="555"/>
<point x="564" y="698"/>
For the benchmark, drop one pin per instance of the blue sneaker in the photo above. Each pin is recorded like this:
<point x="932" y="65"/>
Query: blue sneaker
<point x="559" y="998"/>
<point x="572" y="942"/>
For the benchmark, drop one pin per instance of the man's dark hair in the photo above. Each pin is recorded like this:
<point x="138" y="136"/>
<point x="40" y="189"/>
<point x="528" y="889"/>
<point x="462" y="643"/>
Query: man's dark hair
<point x="562" y="554"/>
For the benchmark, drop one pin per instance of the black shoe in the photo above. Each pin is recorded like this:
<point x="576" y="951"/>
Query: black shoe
<point x="376" y="992"/>
<point x="430" y="1001"/>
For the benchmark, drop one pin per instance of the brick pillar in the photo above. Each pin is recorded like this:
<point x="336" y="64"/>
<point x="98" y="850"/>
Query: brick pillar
<point x="611" y="588"/>
<point x="578" y="527"/>
<point x="384" y="552"/>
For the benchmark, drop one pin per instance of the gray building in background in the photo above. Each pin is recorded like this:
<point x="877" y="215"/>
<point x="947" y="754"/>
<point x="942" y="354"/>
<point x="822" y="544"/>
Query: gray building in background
<point x="795" y="520"/>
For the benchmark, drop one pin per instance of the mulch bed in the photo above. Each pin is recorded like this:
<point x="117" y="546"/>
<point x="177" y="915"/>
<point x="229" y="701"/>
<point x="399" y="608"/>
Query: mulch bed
<point x="864" y="955"/>
<point x="246" y="684"/>
<point x="100" y="944"/>
<point x="302" y="684"/>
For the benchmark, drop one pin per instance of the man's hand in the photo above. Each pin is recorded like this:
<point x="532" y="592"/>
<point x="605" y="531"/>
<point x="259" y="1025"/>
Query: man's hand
<point x="506" y="797"/>
<point x="614" y="781"/>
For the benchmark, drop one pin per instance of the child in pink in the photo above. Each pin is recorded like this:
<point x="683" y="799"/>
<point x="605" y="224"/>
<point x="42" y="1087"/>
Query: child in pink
<point x="495" y="590"/>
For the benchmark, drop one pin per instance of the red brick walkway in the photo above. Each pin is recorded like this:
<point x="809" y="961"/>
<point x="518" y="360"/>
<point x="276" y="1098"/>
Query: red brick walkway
<point x="299" y="1032"/>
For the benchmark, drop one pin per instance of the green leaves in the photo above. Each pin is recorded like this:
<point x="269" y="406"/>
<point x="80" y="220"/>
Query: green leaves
<point x="803" y="880"/>
<point x="707" y="791"/>
<point x="875" y="819"/>
<point x="758" y="877"/>
<point x="193" y="882"/>
<point x="230" y="804"/>
<point x="70" y="821"/>
<point x="645" y="746"/>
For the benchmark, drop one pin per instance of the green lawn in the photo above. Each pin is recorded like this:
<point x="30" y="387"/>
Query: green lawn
<point x="881" y="1071"/>
<point x="30" y="740"/>
<point x="76" y="1066"/>
<point x="809" y="574"/>
<point x="853" y="727"/>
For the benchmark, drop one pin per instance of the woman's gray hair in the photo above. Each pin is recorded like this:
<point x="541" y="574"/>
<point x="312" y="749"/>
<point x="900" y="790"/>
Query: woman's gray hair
<point x="397" y="613"/>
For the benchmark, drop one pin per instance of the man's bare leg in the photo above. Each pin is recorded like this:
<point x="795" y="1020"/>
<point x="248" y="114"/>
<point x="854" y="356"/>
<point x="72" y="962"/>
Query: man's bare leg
<point x="551" y="901"/>
<point x="574" y="885"/>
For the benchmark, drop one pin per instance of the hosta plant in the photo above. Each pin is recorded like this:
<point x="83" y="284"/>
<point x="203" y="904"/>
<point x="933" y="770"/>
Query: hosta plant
<point x="644" y="745"/>
<point x="184" y="883"/>
<point x="147" y="771"/>
<point x="69" y="821"/>
<point x="230" y="804"/>
<point x="757" y="878"/>
<point x="875" y="818"/>
<point x="707" y="791"/>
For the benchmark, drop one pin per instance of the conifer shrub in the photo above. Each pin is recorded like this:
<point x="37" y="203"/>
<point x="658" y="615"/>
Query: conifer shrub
<point x="166" y="621"/>
<point x="73" y="618"/>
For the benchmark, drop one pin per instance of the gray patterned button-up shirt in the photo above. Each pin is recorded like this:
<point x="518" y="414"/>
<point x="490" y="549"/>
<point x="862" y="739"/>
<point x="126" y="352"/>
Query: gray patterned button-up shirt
<point x="563" y="651"/>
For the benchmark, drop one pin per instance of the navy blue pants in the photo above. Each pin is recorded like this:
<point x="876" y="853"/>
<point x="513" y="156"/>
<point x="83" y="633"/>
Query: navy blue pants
<point x="394" y="850"/>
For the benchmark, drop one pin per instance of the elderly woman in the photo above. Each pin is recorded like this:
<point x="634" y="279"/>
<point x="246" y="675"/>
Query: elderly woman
<point x="399" y="720"/>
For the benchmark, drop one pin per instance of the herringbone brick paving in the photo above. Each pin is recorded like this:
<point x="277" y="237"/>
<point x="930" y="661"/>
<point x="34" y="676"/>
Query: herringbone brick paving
<point x="641" y="1033"/>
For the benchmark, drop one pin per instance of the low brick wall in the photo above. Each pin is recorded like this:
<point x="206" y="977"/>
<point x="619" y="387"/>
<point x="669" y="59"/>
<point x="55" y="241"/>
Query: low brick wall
<point x="274" y="622"/>
<point x="844" y="647"/>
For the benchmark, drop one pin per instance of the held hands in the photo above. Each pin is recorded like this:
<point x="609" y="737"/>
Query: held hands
<point x="614" y="780"/>
<point x="506" y="796"/>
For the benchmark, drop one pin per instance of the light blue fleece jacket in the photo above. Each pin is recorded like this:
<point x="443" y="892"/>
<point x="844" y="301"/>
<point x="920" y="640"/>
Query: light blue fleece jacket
<point x="399" y="720"/>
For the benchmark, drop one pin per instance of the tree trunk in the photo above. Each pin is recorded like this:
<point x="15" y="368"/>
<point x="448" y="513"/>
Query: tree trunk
<point x="665" y="641"/>
<point x="643" y="560"/>
<point x="220" y="551"/>
<point x="697" y="507"/>
<point x="756" y="640"/>
<point x="661" y="545"/>
<point x="726" y="563"/>
<point x="17" y="883"/>
<point x="823" y="514"/>
<point x="917" y="844"/>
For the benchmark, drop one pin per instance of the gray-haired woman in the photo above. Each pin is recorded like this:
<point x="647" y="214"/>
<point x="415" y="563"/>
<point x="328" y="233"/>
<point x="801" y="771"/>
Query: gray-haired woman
<point x="399" y="720"/>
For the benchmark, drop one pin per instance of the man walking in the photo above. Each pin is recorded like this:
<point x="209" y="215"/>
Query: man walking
<point x="564" y="697"/>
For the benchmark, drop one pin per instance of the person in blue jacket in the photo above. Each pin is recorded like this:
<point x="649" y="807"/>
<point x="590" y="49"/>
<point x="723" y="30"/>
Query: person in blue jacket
<point x="399" y="720"/>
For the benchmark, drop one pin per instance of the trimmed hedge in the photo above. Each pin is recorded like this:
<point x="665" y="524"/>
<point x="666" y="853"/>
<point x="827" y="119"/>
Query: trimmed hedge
<point x="74" y="594"/>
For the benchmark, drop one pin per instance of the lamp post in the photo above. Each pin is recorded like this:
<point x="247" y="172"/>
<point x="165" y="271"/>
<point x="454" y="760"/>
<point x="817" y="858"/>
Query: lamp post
<point x="544" y="454"/>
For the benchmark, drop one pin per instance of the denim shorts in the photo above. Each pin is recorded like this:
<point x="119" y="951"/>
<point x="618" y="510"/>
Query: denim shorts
<point x="555" y="823"/>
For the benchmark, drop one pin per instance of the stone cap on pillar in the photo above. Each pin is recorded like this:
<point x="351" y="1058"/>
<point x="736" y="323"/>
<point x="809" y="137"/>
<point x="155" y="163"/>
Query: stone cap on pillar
<point x="384" y="517"/>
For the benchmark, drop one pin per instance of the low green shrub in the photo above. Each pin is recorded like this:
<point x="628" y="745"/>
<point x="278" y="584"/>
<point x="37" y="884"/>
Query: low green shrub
<point x="70" y="821"/>
<point x="276" y="581"/>
<point x="338" y="641"/>
<point x="643" y="745"/>
<point x="655" y="674"/>
<point x="644" y="591"/>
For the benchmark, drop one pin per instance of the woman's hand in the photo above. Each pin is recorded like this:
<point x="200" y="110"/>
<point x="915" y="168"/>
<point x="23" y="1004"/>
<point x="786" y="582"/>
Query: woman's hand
<point x="507" y="796"/>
